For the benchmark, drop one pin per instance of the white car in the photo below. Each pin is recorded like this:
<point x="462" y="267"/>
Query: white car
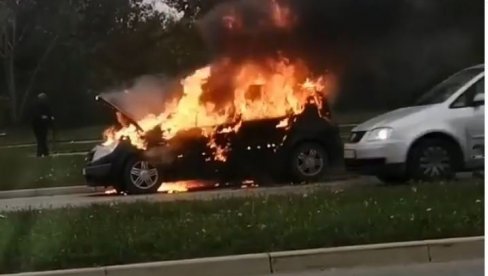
<point x="443" y="133"/>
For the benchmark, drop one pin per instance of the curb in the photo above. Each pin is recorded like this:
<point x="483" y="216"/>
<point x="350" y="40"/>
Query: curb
<point x="427" y="251"/>
<point x="378" y="254"/>
<point x="48" y="192"/>
<point x="70" y="190"/>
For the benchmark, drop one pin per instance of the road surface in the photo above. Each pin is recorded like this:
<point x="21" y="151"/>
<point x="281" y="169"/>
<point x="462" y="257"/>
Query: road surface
<point x="80" y="200"/>
<point x="458" y="268"/>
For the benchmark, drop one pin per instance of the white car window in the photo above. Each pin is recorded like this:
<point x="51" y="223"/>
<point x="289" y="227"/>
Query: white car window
<point x="445" y="89"/>
<point x="466" y="99"/>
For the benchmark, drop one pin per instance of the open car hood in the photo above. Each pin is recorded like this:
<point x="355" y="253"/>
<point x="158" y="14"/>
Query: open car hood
<point x="146" y="97"/>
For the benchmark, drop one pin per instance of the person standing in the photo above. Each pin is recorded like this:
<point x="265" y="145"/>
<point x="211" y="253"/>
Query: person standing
<point x="42" y="119"/>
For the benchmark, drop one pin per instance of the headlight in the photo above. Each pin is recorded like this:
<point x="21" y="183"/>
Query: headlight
<point x="379" y="134"/>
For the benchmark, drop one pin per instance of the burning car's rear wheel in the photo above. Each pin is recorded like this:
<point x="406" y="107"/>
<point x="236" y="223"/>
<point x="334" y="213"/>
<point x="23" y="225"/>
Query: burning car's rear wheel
<point x="309" y="162"/>
<point x="140" y="177"/>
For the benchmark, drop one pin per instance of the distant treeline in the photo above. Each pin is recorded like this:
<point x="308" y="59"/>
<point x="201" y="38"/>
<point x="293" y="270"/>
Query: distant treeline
<point x="74" y="49"/>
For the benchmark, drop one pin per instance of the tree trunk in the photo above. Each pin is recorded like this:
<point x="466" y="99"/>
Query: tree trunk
<point x="24" y="98"/>
<point x="11" y="88"/>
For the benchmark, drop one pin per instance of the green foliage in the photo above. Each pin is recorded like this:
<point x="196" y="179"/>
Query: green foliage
<point x="97" y="44"/>
<point x="140" y="232"/>
<point x="101" y="44"/>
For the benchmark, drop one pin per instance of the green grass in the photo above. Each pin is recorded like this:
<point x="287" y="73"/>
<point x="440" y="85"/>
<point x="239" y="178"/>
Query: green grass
<point x="139" y="232"/>
<point x="22" y="170"/>
<point x="24" y="135"/>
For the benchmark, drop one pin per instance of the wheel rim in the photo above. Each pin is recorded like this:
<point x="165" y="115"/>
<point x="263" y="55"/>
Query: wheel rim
<point x="435" y="162"/>
<point x="143" y="175"/>
<point x="310" y="162"/>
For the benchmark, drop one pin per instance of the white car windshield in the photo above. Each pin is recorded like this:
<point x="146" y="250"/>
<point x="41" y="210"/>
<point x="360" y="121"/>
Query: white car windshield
<point x="445" y="89"/>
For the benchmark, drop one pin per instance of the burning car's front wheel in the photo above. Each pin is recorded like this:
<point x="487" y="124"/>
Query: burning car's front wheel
<point x="140" y="177"/>
<point x="309" y="162"/>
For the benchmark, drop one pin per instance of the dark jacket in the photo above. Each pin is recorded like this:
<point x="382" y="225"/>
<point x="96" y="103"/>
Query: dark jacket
<point x="41" y="115"/>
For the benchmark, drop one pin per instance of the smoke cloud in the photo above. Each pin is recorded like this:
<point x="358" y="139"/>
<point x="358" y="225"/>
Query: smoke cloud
<point x="384" y="51"/>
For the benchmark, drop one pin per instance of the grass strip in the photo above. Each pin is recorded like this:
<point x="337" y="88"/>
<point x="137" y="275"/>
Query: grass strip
<point x="21" y="169"/>
<point x="140" y="232"/>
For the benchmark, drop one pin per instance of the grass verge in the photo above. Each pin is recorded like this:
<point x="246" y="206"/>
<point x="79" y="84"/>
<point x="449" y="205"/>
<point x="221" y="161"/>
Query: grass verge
<point x="139" y="232"/>
<point x="22" y="170"/>
<point x="24" y="135"/>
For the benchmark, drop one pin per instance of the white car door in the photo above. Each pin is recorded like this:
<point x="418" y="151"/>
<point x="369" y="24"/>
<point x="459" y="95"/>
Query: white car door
<point x="476" y="127"/>
<point x="468" y="117"/>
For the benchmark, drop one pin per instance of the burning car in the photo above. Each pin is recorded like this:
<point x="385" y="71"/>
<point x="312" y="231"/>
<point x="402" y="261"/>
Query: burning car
<point x="271" y="122"/>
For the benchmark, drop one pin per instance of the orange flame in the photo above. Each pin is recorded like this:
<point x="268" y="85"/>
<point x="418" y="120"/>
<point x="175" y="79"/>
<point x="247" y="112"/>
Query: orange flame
<point x="281" y="15"/>
<point x="180" y="186"/>
<point x="266" y="89"/>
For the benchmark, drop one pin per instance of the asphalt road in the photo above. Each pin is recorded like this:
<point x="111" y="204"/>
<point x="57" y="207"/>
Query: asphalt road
<point x="80" y="200"/>
<point x="84" y="199"/>
<point x="458" y="268"/>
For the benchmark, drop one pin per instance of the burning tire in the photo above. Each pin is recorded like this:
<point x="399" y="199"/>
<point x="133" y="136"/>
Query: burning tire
<point x="140" y="177"/>
<point x="309" y="162"/>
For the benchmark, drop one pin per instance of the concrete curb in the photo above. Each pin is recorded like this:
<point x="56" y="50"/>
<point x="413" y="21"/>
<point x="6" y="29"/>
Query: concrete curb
<point x="49" y="191"/>
<point x="69" y="190"/>
<point x="378" y="254"/>
<point x="300" y="260"/>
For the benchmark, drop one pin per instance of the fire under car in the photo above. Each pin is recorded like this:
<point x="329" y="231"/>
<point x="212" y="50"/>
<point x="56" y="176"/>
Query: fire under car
<point x="305" y="148"/>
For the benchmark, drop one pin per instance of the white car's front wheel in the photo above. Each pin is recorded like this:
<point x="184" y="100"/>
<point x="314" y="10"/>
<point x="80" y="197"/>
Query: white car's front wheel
<point x="432" y="159"/>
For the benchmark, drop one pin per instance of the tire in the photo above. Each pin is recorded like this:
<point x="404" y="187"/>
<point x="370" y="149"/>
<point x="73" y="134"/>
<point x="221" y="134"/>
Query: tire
<point x="432" y="159"/>
<point x="308" y="162"/>
<point x="140" y="177"/>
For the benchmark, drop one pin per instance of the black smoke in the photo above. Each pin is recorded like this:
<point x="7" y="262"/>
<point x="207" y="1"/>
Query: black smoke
<point x="385" y="52"/>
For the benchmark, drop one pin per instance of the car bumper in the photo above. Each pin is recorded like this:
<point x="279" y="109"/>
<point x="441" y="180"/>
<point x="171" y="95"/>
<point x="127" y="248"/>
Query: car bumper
<point x="375" y="158"/>
<point x="97" y="175"/>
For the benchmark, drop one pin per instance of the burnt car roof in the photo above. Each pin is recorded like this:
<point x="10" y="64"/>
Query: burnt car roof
<point x="149" y="95"/>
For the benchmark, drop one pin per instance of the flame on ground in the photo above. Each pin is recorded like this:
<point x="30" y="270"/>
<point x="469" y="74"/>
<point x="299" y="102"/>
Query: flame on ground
<point x="180" y="186"/>
<point x="110" y="192"/>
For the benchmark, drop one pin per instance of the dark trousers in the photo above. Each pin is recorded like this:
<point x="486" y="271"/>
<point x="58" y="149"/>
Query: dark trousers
<point x="41" y="138"/>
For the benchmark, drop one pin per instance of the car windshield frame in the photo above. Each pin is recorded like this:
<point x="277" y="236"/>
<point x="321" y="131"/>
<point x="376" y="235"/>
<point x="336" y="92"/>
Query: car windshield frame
<point x="445" y="89"/>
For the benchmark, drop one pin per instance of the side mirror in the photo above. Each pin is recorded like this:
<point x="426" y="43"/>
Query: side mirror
<point x="479" y="99"/>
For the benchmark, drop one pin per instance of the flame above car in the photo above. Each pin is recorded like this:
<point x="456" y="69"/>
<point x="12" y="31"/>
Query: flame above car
<point x="245" y="91"/>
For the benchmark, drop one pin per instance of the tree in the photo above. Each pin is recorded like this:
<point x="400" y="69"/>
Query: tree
<point x="13" y="33"/>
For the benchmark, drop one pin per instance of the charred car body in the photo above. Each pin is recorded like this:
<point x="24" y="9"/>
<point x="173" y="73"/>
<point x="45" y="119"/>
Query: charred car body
<point x="303" y="147"/>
